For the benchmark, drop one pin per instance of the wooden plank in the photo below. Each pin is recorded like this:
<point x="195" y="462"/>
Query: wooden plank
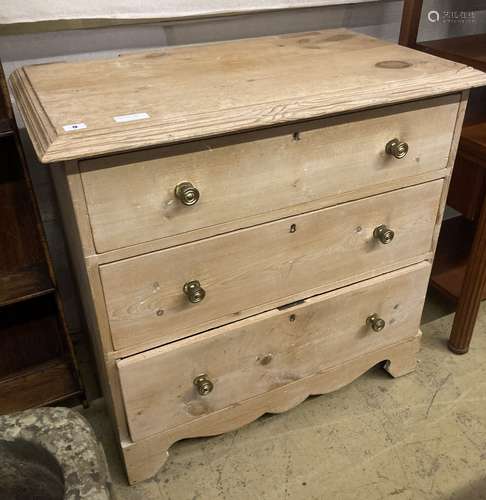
<point x="29" y="335"/>
<point x="131" y="197"/>
<point x="450" y="261"/>
<point x="466" y="194"/>
<point x="302" y="255"/>
<point x="297" y="297"/>
<point x="472" y="290"/>
<point x="144" y="458"/>
<point x="24" y="284"/>
<point x="72" y="205"/>
<point x="468" y="185"/>
<point x="20" y="240"/>
<point x="5" y="127"/>
<point x="32" y="327"/>
<point x="199" y="91"/>
<point x="473" y="142"/>
<point x="412" y="10"/>
<point x="268" y="351"/>
<point x="44" y="385"/>
<point x="199" y="234"/>
<point x="469" y="50"/>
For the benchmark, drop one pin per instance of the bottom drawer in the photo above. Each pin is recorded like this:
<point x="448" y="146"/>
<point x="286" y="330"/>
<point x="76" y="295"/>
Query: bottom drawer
<point x="263" y="352"/>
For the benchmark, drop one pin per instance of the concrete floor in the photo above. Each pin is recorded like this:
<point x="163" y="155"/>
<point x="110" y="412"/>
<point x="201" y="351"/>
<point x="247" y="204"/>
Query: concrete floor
<point x="422" y="436"/>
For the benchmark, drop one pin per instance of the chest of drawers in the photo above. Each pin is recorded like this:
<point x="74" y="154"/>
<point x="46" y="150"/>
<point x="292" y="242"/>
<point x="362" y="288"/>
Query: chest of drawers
<point x="250" y="222"/>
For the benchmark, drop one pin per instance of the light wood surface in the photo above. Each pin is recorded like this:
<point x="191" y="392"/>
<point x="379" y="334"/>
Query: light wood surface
<point x="263" y="264"/>
<point x="76" y="226"/>
<point x="206" y="232"/>
<point x="155" y="341"/>
<point x="268" y="351"/>
<point x="199" y="91"/>
<point x="290" y="196"/>
<point x="144" y="458"/>
<point x="131" y="197"/>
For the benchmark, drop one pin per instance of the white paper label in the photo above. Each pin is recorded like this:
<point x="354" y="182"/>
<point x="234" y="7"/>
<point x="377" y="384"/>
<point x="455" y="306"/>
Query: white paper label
<point x="131" y="118"/>
<point x="74" y="126"/>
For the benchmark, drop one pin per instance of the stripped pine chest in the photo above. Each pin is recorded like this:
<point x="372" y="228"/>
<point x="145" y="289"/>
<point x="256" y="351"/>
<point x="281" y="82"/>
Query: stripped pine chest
<point x="250" y="222"/>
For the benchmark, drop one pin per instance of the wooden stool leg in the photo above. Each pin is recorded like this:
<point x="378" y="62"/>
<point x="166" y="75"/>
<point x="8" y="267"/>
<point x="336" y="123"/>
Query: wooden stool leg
<point x="472" y="288"/>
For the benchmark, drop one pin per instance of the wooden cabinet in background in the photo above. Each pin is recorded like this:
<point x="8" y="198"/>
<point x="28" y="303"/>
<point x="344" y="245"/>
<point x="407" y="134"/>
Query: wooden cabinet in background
<point x="459" y="270"/>
<point x="37" y="365"/>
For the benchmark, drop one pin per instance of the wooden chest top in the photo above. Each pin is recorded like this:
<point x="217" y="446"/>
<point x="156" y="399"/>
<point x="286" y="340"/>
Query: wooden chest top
<point x="92" y="108"/>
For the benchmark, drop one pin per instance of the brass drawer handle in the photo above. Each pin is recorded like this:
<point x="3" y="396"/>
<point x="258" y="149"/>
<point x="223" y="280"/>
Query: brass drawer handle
<point x="397" y="148"/>
<point x="187" y="193"/>
<point x="383" y="234"/>
<point x="203" y="385"/>
<point x="194" y="291"/>
<point x="375" y="322"/>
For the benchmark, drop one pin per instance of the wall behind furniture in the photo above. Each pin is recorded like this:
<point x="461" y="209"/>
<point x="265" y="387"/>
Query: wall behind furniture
<point x="379" y="18"/>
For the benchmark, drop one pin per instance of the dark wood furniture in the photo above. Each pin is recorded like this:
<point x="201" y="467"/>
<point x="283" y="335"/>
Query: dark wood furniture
<point x="460" y="267"/>
<point x="37" y="365"/>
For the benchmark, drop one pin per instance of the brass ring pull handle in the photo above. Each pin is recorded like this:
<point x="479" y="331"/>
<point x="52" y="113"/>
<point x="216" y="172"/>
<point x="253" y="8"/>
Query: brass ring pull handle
<point x="203" y="385"/>
<point x="397" y="148"/>
<point x="194" y="291"/>
<point x="383" y="234"/>
<point x="187" y="193"/>
<point x="375" y="322"/>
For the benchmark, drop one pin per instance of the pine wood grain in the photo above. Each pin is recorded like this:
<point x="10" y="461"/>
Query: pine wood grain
<point x="72" y="205"/>
<point x="145" y="457"/>
<point x="131" y="198"/>
<point x="245" y="100"/>
<point x="268" y="351"/>
<point x="198" y="91"/>
<point x="289" y="211"/>
<point x="264" y="265"/>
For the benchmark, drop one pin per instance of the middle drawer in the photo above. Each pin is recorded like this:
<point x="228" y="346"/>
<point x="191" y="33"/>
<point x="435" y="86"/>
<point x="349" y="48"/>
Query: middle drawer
<point x="153" y="297"/>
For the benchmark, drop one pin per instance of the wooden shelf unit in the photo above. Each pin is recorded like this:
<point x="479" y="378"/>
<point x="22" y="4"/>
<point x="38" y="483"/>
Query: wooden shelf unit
<point x="470" y="50"/>
<point x="24" y="284"/>
<point x="37" y="365"/>
<point x="452" y="254"/>
<point x="43" y="385"/>
<point x="460" y="274"/>
<point x="468" y="186"/>
<point x="468" y="190"/>
<point x="473" y="142"/>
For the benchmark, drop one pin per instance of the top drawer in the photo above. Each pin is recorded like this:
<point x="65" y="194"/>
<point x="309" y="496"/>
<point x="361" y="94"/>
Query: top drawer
<point x="241" y="179"/>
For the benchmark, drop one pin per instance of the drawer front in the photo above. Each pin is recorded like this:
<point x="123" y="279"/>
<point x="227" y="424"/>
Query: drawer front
<point x="267" y="265"/>
<point x="267" y="351"/>
<point x="245" y="178"/>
